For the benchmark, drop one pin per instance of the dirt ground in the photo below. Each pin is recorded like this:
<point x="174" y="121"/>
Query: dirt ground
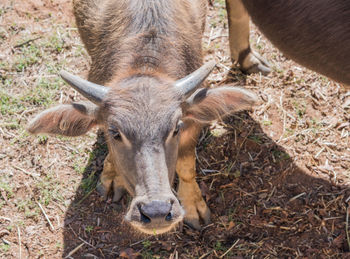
<point x="276" y="179"/>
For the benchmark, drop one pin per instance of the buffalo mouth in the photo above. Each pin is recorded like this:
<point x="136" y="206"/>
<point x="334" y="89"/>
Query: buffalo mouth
<point x="156" y="216"/>
<point x="155" y="228"/>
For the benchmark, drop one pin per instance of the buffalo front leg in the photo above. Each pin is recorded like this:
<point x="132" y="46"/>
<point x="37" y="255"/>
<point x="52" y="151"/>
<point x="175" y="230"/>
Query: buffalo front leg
<point x="110" y="179"/>
<point x="188" y="192"/>
<point x="238" y="21"/>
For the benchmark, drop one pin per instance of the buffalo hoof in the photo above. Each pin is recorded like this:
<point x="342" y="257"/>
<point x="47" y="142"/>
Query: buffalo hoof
<point x="195" y="213"/>
<point x="254" y="63"/>
<point x="118" y="193"/>
<point x="102" y="190"/>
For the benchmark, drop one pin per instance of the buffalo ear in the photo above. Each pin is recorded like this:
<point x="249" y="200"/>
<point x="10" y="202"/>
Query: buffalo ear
<point x="206" y="105"/>
<point x="66" y="119"/>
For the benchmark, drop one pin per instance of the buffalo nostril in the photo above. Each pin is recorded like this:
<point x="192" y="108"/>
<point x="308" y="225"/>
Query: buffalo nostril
<point x="155" y="210"/>
<point x="144" y="218"/>
<point x="168" y="217"/>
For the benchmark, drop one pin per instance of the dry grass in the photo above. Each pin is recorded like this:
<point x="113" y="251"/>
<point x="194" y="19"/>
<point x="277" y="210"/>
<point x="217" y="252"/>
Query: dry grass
<point x="276" y="179"/>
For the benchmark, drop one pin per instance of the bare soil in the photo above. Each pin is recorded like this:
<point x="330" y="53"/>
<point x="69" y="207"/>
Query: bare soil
<point x="276" y="178"/>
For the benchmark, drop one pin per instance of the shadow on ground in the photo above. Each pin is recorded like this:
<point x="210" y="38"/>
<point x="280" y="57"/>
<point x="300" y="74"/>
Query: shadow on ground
<point x="262" y="204"/>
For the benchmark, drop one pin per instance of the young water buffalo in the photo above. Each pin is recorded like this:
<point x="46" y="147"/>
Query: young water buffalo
<point x="143" y="87"/>
<point x="314" y="33"/>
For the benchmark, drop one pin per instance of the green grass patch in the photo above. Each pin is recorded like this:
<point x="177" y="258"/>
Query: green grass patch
<point x="279" y="155"/>
<point x="6" y="187"/>
<point x="49" y="189"/>
<point x="219" y="246"/>
<point x="4" y="247"/>
<point x="88" y="229"/>
<point x="89" y="183"/>
<point x="300" y="108"/>
<point x="256" y="139"/>
<point x="10" y="105"/>
<point x="26" y="57"/>
<point x="267" y="122"/>
<point x="146" y="244"/>
<point x="28" y="207"/>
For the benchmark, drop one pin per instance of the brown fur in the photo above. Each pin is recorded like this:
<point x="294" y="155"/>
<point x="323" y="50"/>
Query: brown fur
<point x="138" y="49"/>
<point x="135" y="43"/>
<point x="132" y="96"/>
<point x="120" y="35"/>
<point x="220" y="103"/>
<point x="62" y="120"/>
<point x="315" y="33"/>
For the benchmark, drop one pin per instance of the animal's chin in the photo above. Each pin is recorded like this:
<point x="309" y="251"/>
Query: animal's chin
<point x="155" y="230"/>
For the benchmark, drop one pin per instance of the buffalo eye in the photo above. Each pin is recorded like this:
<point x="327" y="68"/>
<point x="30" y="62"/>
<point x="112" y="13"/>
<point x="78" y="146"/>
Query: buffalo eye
<point x="178" y="128"/>
<point x="115" y="134"/>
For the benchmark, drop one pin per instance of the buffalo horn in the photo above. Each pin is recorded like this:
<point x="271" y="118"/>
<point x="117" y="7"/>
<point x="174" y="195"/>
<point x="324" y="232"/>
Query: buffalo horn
<point x="93" y="92"/>
<point x="189" y="84"/>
